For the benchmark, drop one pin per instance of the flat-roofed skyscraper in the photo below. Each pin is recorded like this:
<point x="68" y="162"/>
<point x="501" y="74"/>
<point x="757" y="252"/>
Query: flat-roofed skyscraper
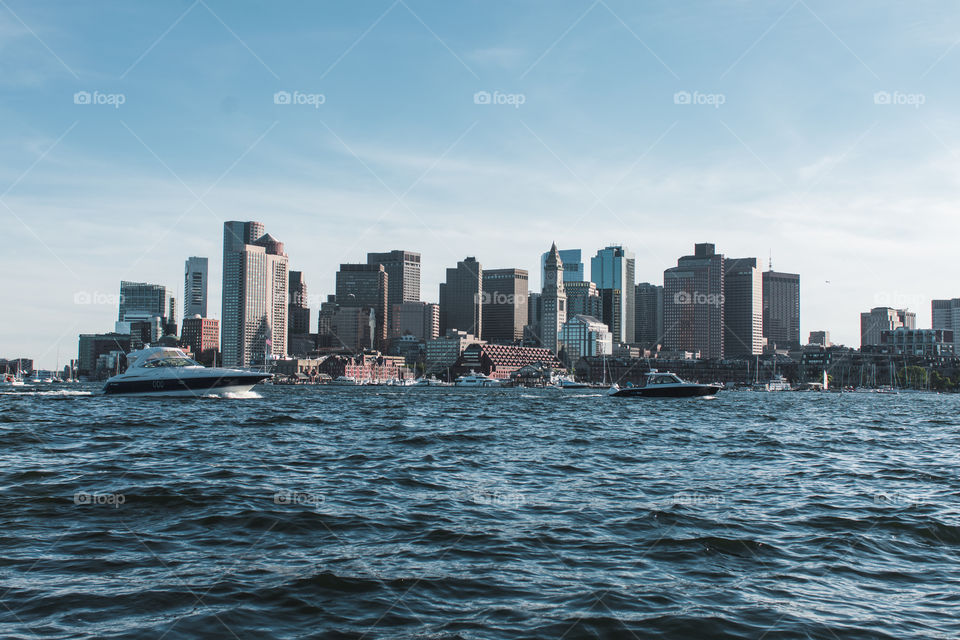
<point x="649" y="315"/>
<point x="254" y="295"/>
<point x="742" y="308"/>
<point x="366" y="286"/>
<point x="195" y="287"/>
<point x="946" y="316"/>
<point x="461" y="300"/>
<point x="693" y="303"/>
<point x="612" y="270"/>
<point x="781" y="309"/>
<point x="403" y="276"/>
<point x="505" y="294"/>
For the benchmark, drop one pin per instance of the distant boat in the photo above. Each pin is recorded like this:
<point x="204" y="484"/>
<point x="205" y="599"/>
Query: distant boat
<point x="477" y="380"/>
<point x="776" y="383"/>
<point x="346" y="381"/>
<point x="665" y="385"/>
<point x="10" y="380"/>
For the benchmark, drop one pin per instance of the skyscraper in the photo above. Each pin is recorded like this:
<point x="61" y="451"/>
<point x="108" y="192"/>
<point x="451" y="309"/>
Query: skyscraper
<point x="583" y="299"/>
<point x="554" y="301"/>
<point x="742" y="308"/>
<point x="505" y="294"/>
<point x="403" y="276"/>
<point x="298" y="313"/>
<point x="195" y="288"/>
<point x="612" y="270"/>
<point x="254" y="296"/>
<point x="693" y="303"/>
<point x="781" y="309"/>
<point x="649" y="314"/>
<point x="461" y="298"/>
<point x="946" y="316"/>
<point x="572" y="265"/>
<point x="365" y="286"/>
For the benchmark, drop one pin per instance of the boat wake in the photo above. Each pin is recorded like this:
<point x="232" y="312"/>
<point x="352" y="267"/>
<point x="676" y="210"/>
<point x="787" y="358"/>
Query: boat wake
<point x="238" y="395"/>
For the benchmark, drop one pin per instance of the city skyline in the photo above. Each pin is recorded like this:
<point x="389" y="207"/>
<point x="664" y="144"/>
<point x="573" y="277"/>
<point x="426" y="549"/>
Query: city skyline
<point x="829" y="161"/>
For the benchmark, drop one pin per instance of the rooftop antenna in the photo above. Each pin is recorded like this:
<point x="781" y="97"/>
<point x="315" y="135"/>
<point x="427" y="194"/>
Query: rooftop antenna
<point x="770" y="261"/>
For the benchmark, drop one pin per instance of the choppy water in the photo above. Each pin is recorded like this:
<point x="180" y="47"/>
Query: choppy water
<point x="431" y="513"/>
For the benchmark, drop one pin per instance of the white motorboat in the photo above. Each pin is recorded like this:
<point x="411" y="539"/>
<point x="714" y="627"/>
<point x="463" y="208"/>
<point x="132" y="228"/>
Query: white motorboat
<point x="474" y="379"/>
<point x="776" y="383"/>
<point x="432" y="381"/>
<point x="167" y="371"/>
<point x="346" y="381"/>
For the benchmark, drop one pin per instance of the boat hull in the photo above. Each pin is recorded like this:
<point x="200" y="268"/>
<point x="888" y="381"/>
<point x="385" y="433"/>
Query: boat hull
<point x="193" y="386"/>
<point x="684" y="391"/>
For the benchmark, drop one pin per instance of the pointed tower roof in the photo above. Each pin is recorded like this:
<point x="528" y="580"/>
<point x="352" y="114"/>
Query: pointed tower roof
<point x="554" y="257"/>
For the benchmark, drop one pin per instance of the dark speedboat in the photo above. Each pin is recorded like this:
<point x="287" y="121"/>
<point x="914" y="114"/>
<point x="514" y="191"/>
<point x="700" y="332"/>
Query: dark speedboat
<point x="665" y="385"/>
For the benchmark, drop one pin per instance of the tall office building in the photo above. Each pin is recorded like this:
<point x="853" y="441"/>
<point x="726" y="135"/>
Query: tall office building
<point x="298" y="313"/>
<point x="583" y="299"/>
<point x="365" y="286"/>
<point x="612" y="270"/>
<point x="195" y="288"/>
<point x="553" y="298"/>
<point x="505" y="294"/>
<point x="461" y="301"/>
<point x="781" y="309"/>
<point x="572" y="266"/>
<point x="879" y="319"/>
<point x="648" y="322"/>
<point x="742" y="308"/>
<point x="693" y="303"/>
<point x="403" y="276"/>
<point x="254" y="295"/>
<point x="946" y="316"/>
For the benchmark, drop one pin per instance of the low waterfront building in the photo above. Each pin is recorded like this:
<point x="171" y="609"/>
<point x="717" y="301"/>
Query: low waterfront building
<point x="370" y="367"/>
<point x="441" y="353"/>
<point x="499" y="361"/>
<point x="917" y="342"/>
<point x="300" y="369"/>
<point x="93" y="345"/>
<point x="821" y="338"/>
<point x="202" y="337"/>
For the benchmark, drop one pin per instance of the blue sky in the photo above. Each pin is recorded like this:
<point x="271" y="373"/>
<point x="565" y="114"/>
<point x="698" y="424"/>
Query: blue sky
<point x="835" y="145"/>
